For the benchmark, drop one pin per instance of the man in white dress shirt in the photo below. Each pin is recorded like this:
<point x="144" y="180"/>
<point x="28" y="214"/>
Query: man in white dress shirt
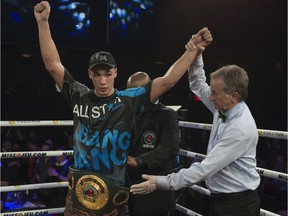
<point x="229" y="170"/>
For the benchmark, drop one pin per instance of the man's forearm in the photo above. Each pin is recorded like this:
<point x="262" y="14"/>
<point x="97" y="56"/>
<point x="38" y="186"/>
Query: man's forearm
<point x="49" y="51"/>
<point x="173" y="75"/>
<point x="177" y="70"/>
<point x="50" y="54"/>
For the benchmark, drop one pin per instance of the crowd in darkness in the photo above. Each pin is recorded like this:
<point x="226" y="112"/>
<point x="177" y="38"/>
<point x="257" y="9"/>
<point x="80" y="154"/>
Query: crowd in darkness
<point x="271" y="154"/>
<point x="34" y="170"/>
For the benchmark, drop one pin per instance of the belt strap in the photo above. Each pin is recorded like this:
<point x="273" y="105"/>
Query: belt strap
<point x="94" y="192"/>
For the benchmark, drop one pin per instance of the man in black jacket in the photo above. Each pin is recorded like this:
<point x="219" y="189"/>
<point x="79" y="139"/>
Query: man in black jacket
<point x="155" y="143"/>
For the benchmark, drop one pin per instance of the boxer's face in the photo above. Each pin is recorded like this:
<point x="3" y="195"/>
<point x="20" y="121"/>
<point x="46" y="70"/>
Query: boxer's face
<point x="103" y="80"/>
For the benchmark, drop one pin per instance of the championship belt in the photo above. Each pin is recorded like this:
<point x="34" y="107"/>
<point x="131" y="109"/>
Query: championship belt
<point x="94" y="192"/>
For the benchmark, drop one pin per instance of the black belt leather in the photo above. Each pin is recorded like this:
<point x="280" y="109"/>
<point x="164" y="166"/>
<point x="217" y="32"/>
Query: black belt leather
<point x="94" y="192"/>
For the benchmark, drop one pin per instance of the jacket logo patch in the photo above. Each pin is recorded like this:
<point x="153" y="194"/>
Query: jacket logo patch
<point x="149" y="139"/>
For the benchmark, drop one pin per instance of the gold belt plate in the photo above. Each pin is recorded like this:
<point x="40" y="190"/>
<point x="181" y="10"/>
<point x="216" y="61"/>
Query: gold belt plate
<point x="92" y="192"/>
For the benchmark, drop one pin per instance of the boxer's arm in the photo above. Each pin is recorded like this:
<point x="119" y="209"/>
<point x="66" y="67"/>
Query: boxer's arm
<point x="48" y="49"/>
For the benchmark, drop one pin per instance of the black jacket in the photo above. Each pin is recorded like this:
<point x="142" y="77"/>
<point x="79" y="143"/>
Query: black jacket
<point x="155" y="140"/>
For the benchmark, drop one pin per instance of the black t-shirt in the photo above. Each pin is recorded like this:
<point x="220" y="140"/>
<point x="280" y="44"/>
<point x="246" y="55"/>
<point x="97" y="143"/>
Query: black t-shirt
<point x="102" y="126"/>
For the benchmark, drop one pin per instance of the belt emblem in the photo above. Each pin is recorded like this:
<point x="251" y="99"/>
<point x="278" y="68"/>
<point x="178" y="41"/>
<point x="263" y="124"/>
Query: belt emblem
<point x="92" y="192"/>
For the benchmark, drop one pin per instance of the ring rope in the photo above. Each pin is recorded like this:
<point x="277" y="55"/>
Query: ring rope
<point x="262" y="132"/>
<point x="200" y="189"/>
<point x="186" y="210"/>
<point x="34" y="186"/>
<point x="267" y="213"/>
<point x="27" y="154"/>
<point x="35" y="212"/>
<point x="36" y="123"/>
<point x="263" y="172"/>
<point x="191" y="154"/>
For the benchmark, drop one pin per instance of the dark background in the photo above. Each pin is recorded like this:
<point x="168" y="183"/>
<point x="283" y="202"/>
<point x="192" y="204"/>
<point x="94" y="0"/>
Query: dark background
<point x="249" y="33"/>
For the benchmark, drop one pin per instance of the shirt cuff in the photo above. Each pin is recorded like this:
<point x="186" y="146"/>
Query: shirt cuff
<point x="194" y="69"/>
<point x="198" y="61"/>
<point x="162" y="182"/>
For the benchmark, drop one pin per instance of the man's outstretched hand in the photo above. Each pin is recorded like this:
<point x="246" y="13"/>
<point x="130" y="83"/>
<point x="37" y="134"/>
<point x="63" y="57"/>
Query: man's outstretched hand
<point x="145" y="187"/>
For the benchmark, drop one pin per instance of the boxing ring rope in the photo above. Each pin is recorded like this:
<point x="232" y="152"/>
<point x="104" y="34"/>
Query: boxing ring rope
<point x="263" y="133"/>
<point x="261" y="171"/>
<point x="34" y="186"/>
<point x="35" y="212"/>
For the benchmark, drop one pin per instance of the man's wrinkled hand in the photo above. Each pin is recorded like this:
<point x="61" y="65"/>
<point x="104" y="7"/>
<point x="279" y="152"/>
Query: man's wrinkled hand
<point x="145" y="187"/>
<point x="200" y="40"/>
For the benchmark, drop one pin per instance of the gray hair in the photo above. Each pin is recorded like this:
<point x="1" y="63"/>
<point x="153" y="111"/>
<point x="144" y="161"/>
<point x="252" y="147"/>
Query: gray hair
<point x="235" y="79"/>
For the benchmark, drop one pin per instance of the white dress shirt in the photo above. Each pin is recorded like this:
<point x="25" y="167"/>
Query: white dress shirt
<point x="230" y="164"/>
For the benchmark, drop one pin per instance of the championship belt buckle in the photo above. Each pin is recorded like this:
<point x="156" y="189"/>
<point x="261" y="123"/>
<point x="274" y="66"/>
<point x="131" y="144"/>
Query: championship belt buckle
<point x="92" y="192"/>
